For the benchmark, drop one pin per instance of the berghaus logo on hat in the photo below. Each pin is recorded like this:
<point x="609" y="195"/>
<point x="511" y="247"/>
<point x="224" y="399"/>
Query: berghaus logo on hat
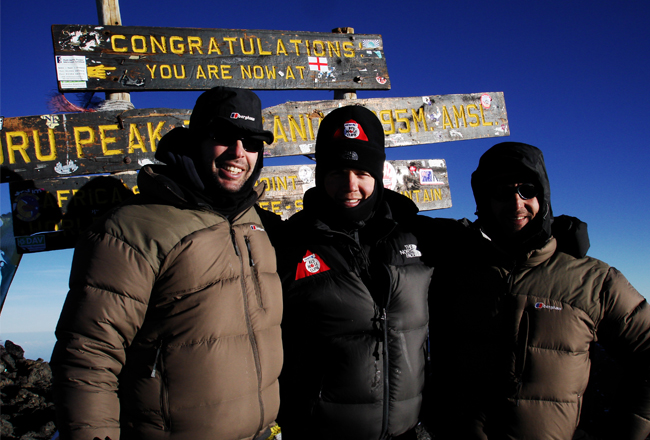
<point x="351" y="130"/>
<point x="235" y="115"/>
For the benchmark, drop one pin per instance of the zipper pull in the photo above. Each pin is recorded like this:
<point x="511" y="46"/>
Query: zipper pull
<point x="250" y="254"/>
<point x="155" y="362"/>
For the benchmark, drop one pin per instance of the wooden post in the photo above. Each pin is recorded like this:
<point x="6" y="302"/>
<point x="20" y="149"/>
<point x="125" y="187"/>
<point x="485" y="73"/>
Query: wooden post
<point x="108" y="12"/>
<point x="343" y="94"/>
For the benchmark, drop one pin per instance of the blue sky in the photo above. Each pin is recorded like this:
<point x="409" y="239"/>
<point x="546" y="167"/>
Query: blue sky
<point x="573" y="74"/>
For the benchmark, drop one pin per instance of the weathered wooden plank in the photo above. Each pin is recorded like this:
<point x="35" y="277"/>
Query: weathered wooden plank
<point x="38" y="147"/>
<point x="407" y="121"/>
<point x="135" y="58"/>
<point x="48" y="214"/>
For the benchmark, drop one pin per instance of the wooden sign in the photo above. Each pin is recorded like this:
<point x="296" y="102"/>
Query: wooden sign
<point x="133" y="58"/>
<point x="39" y="147"/>
<point x="407" y="121"/>
<point x="49" y="214"/>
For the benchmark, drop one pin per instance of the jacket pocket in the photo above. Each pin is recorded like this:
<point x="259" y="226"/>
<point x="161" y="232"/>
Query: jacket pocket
<point x="254" y="274"/>
<point x="158" y="370"/>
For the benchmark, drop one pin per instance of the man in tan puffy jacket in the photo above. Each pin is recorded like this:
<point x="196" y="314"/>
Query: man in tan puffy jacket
<point x="171" y="327"/>
<point x="514" y="316"/>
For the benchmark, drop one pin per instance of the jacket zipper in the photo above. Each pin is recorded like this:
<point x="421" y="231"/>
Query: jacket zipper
<point x="251" y="334"/>
<point x="256" y="281"/>
<point x="384" y="423"/>
<point x="164" y="394"/>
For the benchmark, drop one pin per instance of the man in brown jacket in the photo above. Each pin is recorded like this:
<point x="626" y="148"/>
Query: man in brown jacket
<point x="171" y="327"/>
<point x="513" y="317"/>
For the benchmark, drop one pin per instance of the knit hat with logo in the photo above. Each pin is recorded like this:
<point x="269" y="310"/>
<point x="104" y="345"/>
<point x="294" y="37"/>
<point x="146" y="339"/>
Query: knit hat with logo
<point x="222" y="107"/>
<point x="350" y="137"/>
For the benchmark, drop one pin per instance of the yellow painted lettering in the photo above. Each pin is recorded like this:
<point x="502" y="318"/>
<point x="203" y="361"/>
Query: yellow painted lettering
<point x="298" y="205"/>
<point x="79" y="142"/>
<point x="213" y="70"/>
<point x="348" y="49"/>
<point x="416" y="193"/>
<point x="13" y="147"/>
<point x="161" y="45"/>
<point x="179" y="47"/>
<point x="200" y="73"/>
<point x="290" y="73"/>
<point x="446" y="120"/>
<point x="280" y="48"/>
<point x="280" y="183"/>
<point x="278" y="129"/>
<point x="108" y="140"/>
<point x="230" y="40"/>
<point x="258" y="72"/>
<point x="114" y="39"/>
<point x="264" y="205"/>
<point x="135" y="140"/>
<point x="176" y="75"/>
<point x="165" y="71"/>
<point x="293" y="181"/>
<point x="61" y="196"/>
<point x="295" y="128"/>
<point x="301" y="70"/>
<point x="407" y="125"/>
<point x="382" y="117"/>
<point x="483" y="117"/>
<point x="472" y="115"/>
<point x="154" y="135"/>
<point x="246" y="72"/>
<point x="225" y="71"/>
<point x="437" y="194"/>
<point x="194" y="43"/>
<point x="270" y="74"/>
<point x="152" y="70"/>
<point x="134" y="44"/>
<point x="460" y="113"/>
<point x="214" y="46"/>
<point x="250" y="51"/>
<point x="334" y="48"/>
<point x="260" y="50"/>
<point x="296" y="43"/>
<point x="319" y="48"/>
<point x="275" y="207"/>
<point x="37" y="145"/>
<point x="418" y="116"/>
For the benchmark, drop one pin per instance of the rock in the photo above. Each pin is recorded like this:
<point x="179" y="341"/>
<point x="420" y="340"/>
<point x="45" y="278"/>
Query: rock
<point x="26" y="395"/>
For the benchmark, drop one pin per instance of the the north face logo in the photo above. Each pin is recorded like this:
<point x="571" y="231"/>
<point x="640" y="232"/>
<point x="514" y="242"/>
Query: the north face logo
<point x="411" y="251"/>
<point x="311" y="265"/>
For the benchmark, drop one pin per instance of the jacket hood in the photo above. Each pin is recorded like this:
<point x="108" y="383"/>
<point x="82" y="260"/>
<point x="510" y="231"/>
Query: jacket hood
<point x="514" y="162"/>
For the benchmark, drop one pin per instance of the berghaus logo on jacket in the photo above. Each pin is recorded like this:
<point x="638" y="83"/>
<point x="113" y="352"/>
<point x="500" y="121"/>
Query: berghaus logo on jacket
<point x="311" y="265"/>
<point x="410" y="251"/>
<point x="541" y="305"/>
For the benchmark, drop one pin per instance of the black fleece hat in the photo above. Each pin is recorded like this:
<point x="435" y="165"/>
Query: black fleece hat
<point x="239" y="108"/>
<point x="350" y="137"/>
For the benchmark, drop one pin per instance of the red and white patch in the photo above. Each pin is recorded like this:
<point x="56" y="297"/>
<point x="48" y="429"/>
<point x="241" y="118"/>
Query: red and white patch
<point x="318" y="63"/>
<point x="352" y="130"/>
<point x="311" y="265"/>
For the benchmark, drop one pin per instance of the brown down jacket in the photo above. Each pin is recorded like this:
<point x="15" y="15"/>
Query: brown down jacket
<point x="171" y="327"/>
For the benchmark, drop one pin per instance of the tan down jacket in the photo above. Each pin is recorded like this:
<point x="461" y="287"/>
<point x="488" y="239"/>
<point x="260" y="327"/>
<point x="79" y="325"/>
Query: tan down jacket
<point x="557" y="306"/>
<point x="171" y="327"/>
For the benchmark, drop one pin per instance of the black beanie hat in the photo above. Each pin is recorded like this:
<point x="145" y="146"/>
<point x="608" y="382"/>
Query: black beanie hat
<point x="350" y="137"/>
<point x="239" y="108"/>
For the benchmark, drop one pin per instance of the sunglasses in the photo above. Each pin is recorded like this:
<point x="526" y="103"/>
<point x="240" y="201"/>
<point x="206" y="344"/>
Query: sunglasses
<point x="503" y="193"/>
<point x="229" y="140"/>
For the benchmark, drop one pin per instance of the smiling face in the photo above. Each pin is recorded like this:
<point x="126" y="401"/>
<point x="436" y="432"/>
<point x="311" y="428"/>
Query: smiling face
<point x="229" y="166"/>
<point x="349" y="187"/>
<point x="511" y="211"/>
